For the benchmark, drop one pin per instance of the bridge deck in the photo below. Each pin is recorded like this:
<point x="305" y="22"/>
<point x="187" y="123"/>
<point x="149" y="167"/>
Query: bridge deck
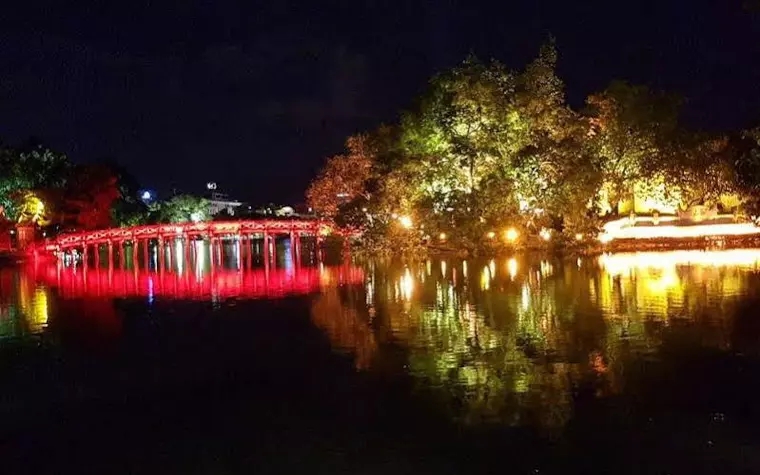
<point x="191" y="230"/>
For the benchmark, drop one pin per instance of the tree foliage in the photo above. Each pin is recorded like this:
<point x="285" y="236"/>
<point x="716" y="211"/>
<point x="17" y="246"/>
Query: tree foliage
<point x="182" y="209"/>
<point x="631" y="130"/>
<point x="29" y="169"/>
<point x="343" y="178"/>
<point x="90" y="193"/>
<point x="487" y="148"/>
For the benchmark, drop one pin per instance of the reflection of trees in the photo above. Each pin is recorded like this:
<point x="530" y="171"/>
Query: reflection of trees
<point x="492" y="353"/>
<point x="23" y="305"/>
<point x="341" y="320"/>
<point x="514" y="341"/>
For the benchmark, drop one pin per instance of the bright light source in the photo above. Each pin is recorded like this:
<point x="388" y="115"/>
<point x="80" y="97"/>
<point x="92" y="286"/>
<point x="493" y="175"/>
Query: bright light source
<point x="579" y="237"/>
<point x="511" y="235"/>
<point x="545" y="234"/>
<point x="604" y="238"/>
<point x="491" y="235"/>
<point x="442" y="236"/>
<point x="146" y="195"/>
<point x="405" y="221"/>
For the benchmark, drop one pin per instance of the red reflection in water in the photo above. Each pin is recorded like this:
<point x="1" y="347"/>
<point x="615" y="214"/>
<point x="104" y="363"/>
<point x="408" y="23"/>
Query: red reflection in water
<point x="219" y="284"/>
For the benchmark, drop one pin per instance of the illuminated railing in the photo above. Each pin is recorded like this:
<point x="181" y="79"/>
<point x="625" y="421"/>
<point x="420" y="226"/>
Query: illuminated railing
<point x="622" y="229"/>
<point x="171" y="231"/>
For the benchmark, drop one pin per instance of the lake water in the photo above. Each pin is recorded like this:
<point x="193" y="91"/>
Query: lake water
<point x="627" y="363"/>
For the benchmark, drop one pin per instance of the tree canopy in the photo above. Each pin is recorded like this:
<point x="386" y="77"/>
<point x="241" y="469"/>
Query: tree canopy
<point x="488" y="148"/>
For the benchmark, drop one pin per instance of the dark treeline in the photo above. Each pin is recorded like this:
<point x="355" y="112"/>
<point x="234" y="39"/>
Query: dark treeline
<point x="487" y="149"/>
<point x="42" y="187"/>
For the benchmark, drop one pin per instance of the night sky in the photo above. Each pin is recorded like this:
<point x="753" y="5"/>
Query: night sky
<point x="255" y="95"/>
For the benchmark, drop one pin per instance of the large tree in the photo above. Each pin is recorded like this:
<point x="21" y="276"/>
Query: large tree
<point x="33" y="168"/>
<point x="344" y="177"/>
<point x="632" y="128"/>
<point x="182" y="209"/>
<point x="90" y="193"/>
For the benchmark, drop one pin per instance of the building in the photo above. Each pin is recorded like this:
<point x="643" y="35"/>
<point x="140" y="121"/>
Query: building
<point x="219" y="202"/>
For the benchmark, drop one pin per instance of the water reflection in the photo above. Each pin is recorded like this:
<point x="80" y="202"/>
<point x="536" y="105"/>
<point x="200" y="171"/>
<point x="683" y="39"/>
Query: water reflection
<point x="519" y="346"/>
<point x="24" y="306"/>
<point x="86" y="297"/>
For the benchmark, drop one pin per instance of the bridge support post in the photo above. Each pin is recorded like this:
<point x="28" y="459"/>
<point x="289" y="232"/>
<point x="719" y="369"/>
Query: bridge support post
<point x="248" y="253"/>
<point x="266" y="250"/>
<point x="168" y="255"/>
<point x="186" y="249"/>
<point x="97" y="256"/>
<point x="161" y="256"/>
<point x="318" y="250"/>
<point x="293" y="246"/>
<point x="122" y="251"/>
<point x="134" y="254"/>
<point x="85" y="255"/>
<point x="110" y="254"/>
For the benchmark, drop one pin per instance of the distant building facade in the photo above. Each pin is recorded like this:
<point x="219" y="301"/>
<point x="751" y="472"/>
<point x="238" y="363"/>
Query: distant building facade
<point x="219" y="202"/>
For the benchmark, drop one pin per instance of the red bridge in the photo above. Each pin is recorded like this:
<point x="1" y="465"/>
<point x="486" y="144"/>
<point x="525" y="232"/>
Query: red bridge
<point x="214" y="229"/>
<point x="244" y="231"/>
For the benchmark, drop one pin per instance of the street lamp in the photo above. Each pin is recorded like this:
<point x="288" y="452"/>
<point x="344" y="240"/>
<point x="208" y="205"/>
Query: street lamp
<point x="511" y="235"/>
<point x="405" y="221"/>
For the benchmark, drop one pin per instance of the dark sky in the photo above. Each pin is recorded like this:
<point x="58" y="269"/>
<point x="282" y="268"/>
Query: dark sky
<point x="254" y="95"/>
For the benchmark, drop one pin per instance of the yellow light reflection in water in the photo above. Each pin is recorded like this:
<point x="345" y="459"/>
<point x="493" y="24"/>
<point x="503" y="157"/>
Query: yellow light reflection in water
<point x="38" y="317"/>
<point x="517" y="352"/>
<point x="619" y="263"/>
<point x="406" y="285"/>
<point x="546" y="269"/>
<point x="485" y="278"/>
<point x="512" y="268"/>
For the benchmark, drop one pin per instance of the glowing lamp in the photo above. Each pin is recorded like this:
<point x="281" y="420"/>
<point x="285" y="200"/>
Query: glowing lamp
<point x="442" y="236"/>
<point x="491" y="235"/>
<point x="545" y="234"/>
<point x="146" y="195"/>
<point x="405" y="221"/>
<point x="579" y="237"/>
<point x="511" y="235"/>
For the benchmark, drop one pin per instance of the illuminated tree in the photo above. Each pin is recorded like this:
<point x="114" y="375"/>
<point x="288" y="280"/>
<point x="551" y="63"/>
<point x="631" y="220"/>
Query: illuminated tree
<point x="631" y="126"/>
<point x="31" y="210"/>
<point x="182" y="209"/>
<point x="28" y="169"/>
<point x="464" y="130"/>
<point x="699" y="171"/>
<point x="744" y="153"/>
<point x="343" y="178"/>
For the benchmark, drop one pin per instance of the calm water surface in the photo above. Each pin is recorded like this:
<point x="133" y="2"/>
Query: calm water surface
<point x="627" y="363"/>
